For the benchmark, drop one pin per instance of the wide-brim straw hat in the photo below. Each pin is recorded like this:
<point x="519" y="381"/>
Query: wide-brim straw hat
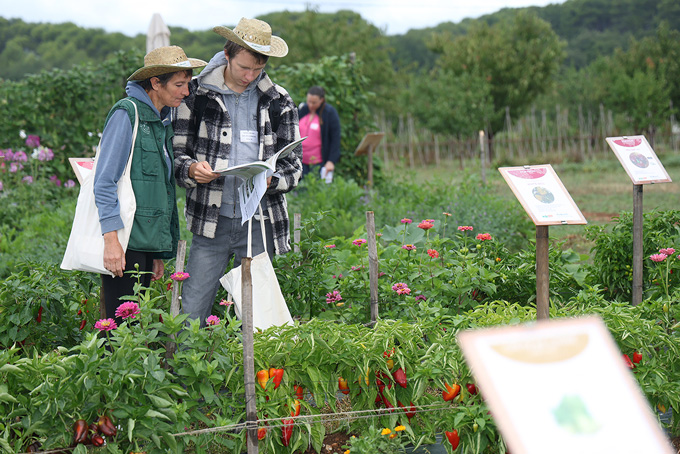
<point x="163" y="60"/>
<point x="255" y="35"/>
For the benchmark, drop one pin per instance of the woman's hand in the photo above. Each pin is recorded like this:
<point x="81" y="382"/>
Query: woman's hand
<point x="329" y="166"/>
<point x="202" y="172"/>
<point x="158" y="269"/>
<point x="114" y="255"/>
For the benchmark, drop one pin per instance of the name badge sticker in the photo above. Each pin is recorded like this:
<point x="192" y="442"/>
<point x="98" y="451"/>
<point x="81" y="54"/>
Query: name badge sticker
<point x="249" y="136"/>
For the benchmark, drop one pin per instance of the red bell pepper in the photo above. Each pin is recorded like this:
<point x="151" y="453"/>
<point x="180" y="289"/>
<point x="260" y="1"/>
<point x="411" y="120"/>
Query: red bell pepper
<point x="453" y="438"/>
<point x="287" y="431"/>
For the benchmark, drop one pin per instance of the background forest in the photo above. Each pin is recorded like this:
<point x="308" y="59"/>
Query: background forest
<point x="617" y="57"/>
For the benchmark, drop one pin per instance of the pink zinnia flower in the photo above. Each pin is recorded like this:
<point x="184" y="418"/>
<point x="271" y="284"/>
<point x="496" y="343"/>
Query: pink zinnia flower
<point x="355" y="268"/>
<point x="329" y="246"/>
<point x="105" y="324"/>
<point x="426" y="225"/>
<point x="179" y="276"/>
<point x="484" y="236"/>
<point x="127" y="310"/>
<point x="358" y="242"/>
<point x="421" y="297"/>
<point x="333" y="297"/>
<point x="406" y="221"/>
<point x="409" y="247"/>
<point x="432" y="253"/>
<point x="658" y="257"/>
<point x="212" y="320"/>
<point x="226" y="303"/>
<point x="463" y="228"/>
<point x="667" y="251"/>
<point x="447" y="214"/>
<point x="401" y="288"/>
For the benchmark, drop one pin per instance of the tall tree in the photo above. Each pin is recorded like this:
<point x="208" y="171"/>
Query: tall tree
<point x="518" y="58"/>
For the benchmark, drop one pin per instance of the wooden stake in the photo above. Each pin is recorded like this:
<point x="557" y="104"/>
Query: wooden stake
<point x="372" y="264"/>
<point x="297" y="222"/>
<point x="542" y="273"/>
<point x="637" y="244"/>
<point x="175" y="302"/>
<point x="248" y="353"/>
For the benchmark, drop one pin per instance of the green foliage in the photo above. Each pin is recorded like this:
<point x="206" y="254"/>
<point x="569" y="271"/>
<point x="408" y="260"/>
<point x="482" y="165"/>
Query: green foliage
<point x="346" y="87"/>
<point x="612" y="254"/>
<point x="517" y="58"/>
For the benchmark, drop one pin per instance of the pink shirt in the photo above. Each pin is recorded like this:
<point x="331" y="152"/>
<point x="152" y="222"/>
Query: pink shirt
<point x="311" y="146"/>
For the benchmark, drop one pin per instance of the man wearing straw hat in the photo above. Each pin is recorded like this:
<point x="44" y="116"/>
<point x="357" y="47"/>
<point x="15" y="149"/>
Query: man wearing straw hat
<point x="233" y="115"/>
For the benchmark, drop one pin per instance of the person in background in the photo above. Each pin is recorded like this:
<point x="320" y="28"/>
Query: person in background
<point x="234" y="115"/>
<point x="160" y="84"/>
<point x="319" y="121"/>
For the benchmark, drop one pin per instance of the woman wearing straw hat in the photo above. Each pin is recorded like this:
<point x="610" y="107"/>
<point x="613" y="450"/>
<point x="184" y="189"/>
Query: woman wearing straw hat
<point x="162" y="83"/>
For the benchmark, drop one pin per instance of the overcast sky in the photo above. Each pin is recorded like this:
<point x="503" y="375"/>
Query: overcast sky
<point x="133" y="16"/>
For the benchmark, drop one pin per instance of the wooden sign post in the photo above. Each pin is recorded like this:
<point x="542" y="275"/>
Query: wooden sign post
<point x="643" y="167"/>
<point x="369" y="143"/>
<point x="547" y="202"/>
<point x="372" y="264"/>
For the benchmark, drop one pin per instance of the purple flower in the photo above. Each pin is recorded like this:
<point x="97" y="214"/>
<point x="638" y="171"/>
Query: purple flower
<point x="27" y="179"/>
<point x="1" y="186"/>
<point x="421" y="297"/>
<point x="69" y="183"/>
<point x="401" y="288"/>
<point x="333" y="297"/>
<point x="55" y="180"/>
<point x="9" y="155"/>
<point x="15" y="167"/>
<point x="20" y="156"/>
<point x="127" y="310"/>
<point x="32" y="141"/>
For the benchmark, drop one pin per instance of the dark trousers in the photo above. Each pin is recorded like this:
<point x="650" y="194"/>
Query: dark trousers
<point x="115" y="288"/>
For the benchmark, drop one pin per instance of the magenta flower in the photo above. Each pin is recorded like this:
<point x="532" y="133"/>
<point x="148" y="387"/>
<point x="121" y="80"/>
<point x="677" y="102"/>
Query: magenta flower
<point x="658" y="257"/>
<point x="127" y="310"/>
<point x="179" y="276"/>
<point x="333" y="297"/>
<point x="401" y="288"/>
<point x="426" y="225"/>
<point x="667" y="251"/>
<point x="226" y="303"/>
<point x="329" y="246"/>
<point x="421" y="297"/>
<point x="69" y="183"/>
<point x="358" y="242"/>
<point x="105" y="324"/>
<point x="406" y="221"/>
<point x="55" y="180"/>
<point x="15" y="167"/>
<point x="1" y="186"/>
<point x="355" y="268"/>
<point x="212" y="320"/>
<point x="463" y="228"/>
<point x="433" y="253"/>
<point x="484" y="236"/>
<point x="409" y="247"/>
<point x="27" y="179"/>
<point x="20" y="156"/>
<point x="32" y="141"/>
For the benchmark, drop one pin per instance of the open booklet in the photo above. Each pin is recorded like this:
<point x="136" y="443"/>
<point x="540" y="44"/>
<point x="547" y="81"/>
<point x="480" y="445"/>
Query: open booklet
<point x="254" y="175"/>
<point x="249" y="170"/>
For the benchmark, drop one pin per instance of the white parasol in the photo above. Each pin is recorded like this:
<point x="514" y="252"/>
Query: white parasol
<point x="158" y="34"/>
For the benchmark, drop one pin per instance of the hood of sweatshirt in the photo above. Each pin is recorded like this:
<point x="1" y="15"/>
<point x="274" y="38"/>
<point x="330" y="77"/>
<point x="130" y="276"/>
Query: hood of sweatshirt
<point x="134" y="90"/>
<point x="212" y="77"/>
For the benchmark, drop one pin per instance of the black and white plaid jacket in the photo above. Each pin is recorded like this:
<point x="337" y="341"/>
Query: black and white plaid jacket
<point x="213" y="145"/>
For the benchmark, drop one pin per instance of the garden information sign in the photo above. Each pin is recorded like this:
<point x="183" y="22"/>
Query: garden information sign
<point x="542" y="194"/>
<point x="582" y="399"/>
<point x="639" y="160"/>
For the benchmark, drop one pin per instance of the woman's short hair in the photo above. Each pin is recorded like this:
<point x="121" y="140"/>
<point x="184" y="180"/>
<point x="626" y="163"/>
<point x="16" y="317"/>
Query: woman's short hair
<point x="163" y="78"/>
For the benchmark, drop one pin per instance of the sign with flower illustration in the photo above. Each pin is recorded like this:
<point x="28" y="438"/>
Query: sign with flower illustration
<point x="637" y="157"/>
<point x="583" y="395"/>
<point x="542" y="194"/>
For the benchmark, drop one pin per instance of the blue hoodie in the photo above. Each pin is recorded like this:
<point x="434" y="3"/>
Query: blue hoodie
<point x="114" y="150"/>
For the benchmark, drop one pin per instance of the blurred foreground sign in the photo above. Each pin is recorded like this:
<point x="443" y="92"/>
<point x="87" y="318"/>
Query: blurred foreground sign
<point x="562" y="387"/>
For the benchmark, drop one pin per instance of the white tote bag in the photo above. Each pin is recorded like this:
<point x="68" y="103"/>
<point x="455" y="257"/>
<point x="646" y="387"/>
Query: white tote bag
<point x="269" y="306"/>
<point x="85" y="248"/>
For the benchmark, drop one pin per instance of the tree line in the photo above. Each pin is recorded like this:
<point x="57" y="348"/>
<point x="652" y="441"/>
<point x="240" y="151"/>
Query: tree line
<point x="455" y="79"/>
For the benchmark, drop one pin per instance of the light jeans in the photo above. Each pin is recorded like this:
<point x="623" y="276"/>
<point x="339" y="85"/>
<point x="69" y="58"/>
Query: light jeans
<point x="209" y="258"/>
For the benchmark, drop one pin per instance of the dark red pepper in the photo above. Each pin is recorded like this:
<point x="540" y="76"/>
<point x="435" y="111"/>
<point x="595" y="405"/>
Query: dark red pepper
<point x="82" y="324"/>
<point x="80" y="431"/>
<point x="299" y="392"/>
<point x="472" y="389"/>
<point x="287" y="431"/>
<point x="629" y="363"/>
<point x="106" y="427"/>
<point x="637" y="357"/>
<point x="410" y="412"/>
<point x="400" y="377"/>
<point x="97" y="440"/>
<point x="39" y="317"/>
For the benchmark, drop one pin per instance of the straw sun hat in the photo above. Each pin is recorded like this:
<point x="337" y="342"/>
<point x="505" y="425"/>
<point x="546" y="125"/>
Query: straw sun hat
<point x="255" y="35"/>
<point x="168" y="59"/>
